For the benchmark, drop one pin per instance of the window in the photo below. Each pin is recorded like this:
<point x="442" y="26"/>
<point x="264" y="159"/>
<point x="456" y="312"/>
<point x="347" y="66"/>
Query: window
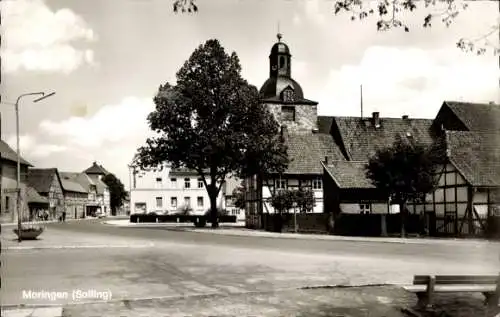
<point x="317" y="183"/>
<point x="7" y="204"/>
<point x="282" y="61"/>
<point x="200" y="183"/>
<point x="281" y="184"/>
<point x="173" y="202"/>
<point x="200" y="201"/>
<point x="173" y="181"/>
<point x="159" y="202"/>
<point x="288" y="95"/>
<point x="187" y="201"/>
<point x="187" y="183"/>
<point x="288" y="113"/>
<point x="365" y="208"/>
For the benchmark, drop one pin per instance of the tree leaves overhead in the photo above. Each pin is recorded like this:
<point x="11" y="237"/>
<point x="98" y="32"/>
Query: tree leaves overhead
<point x="406" y="171"/>
<point x="390" y="12"/>
<point x="185" y="6"/>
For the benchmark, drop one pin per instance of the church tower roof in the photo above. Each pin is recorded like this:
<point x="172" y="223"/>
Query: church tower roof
<point x="280" y="76"/>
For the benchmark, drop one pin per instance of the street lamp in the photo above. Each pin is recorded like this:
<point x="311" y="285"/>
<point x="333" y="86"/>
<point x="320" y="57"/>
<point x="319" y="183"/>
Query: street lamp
<point x="18" y="181"/>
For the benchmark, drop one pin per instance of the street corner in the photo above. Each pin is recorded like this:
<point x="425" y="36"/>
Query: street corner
<point x="33" y="312"/>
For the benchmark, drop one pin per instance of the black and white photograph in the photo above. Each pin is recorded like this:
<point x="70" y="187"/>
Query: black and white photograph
<point x="258" y="158"/>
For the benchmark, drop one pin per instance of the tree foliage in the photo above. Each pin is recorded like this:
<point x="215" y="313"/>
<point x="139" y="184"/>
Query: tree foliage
<point x="406" y="171"/>
<point x="389" y="14"/>
<point x="117" y="191"/>
<point x="284" y="200"/>
<point x="212" y="122"/>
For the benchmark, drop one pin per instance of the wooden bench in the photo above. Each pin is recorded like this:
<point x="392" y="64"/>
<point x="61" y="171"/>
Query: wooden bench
<point x="426" y="285"/>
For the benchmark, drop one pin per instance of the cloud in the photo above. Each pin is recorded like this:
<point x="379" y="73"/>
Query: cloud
<point x="110" y="136"/>
<point x="111" y="124"/>
<point x="37" y="38"/>
<point x="411" y="81"/>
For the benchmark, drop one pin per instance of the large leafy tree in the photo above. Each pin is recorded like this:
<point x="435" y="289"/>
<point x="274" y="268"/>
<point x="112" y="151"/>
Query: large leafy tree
<point x="392" y="13"/>
<point x="211" y="121"/>
<point x="117" y="191"/>
<point x="406" y="171"/>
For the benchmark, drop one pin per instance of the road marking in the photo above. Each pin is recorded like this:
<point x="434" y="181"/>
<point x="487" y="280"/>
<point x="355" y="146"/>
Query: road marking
<point x="96" y="246"/>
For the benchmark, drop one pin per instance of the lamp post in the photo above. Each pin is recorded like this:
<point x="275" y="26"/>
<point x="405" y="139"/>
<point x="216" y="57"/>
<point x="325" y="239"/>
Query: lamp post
<point x="295" y="216"/>
<point x="18" y="180"/>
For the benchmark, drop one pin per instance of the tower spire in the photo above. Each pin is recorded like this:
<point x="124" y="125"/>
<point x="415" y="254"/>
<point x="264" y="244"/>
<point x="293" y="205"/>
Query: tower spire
<point x="279" y="35"/>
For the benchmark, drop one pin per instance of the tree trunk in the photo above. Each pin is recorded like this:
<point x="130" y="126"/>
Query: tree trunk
<point x="212" y="195"/>
<point x="402" y="212"/>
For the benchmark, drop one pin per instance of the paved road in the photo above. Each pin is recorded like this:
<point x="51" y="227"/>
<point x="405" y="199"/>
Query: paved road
<point x="129" y="263"/>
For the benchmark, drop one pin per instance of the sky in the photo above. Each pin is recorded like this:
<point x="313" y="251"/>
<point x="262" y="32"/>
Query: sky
<point x="106" y="59"/>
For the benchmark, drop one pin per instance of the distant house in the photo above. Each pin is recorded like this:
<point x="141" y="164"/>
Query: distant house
<point x="75" y="196"/>
<point x="92" y="204"/>
<point x="169" y="190"/>
<point x="96" y="172"/>
<point x="47" y="182"/>
<point x="228" y="188"/>
<point x="8" y="185"/>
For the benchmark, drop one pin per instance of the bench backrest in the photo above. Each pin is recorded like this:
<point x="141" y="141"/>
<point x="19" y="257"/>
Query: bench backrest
<point x="457" y="279"/>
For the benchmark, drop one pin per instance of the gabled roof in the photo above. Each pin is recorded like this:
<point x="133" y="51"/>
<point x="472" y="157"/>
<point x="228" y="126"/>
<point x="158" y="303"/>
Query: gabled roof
<point x="72" y="186"/>
<point x="41" y="178"/>
<point x="96" y="169"/>
<point x="184" y="172"/>
<point x="101" y="186"/>
<point x="8" y="154"/>
<point x="361" y="139"/>
<point x="476" y="155"/>
<point x="348" y="174"/>
<point x="476" y="116"/>
<point x="306" y="151"/>
<point x="81" y="178"/>
<point x="34" y="198"/>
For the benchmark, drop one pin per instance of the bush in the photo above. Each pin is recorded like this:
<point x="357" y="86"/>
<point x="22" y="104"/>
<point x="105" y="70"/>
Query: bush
<point x="220" y="213"/>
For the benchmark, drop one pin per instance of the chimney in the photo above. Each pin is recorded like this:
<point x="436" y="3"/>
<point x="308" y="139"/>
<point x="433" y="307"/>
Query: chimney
<point x="376" y="119"/>
<point x="405" y="117"/>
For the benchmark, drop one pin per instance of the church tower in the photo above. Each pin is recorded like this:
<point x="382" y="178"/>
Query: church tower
<point x="284" y="96"/>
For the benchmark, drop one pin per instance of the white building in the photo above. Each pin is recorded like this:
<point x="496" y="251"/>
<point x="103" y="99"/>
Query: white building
<point x="169" y="190"/>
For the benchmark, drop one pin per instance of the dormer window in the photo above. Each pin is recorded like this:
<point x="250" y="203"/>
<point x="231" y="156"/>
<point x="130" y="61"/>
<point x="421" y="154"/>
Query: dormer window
<point x="288" y="95"/>
<point x="288" y="113"/>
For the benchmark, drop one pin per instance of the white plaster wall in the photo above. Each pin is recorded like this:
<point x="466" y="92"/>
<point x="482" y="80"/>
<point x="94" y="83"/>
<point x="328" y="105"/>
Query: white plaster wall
<point x="318" y="199"/>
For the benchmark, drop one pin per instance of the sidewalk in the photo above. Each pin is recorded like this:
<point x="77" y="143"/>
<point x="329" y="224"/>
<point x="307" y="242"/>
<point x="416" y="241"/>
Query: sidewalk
<point x="238" y="229"/>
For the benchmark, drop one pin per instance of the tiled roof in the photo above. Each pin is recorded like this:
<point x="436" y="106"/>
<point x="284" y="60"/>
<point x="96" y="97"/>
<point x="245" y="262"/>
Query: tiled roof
<point x="101" y="187"/>
<point x="477" y="116"/>
<point x="81" y="178"/>
<point x="10" y="155"/>
<point x="33" y="196"/>
<point x="476" y="155"/>
<point x="72" y="186"/>
<point x="349" y="174"/>
<point x="96" y="169"/>
<point x="41" y="178"/>
<point x="325" y="124"/>
<point x="306" y="151"/>
<point x="362" y="140"/>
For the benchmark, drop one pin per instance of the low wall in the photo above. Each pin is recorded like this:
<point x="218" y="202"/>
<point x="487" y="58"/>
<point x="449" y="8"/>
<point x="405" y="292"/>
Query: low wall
<point x="177" y="218"/>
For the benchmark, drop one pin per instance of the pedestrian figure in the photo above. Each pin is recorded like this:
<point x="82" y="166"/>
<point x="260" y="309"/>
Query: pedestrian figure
<point x="64" y="216"/>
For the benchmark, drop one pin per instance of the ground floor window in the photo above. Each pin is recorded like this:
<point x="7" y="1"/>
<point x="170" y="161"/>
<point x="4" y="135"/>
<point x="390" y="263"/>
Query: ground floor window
<point x="365" y="208"/>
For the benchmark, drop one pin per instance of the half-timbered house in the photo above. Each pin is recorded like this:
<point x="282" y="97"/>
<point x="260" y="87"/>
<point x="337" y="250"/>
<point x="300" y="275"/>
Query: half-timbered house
<point x="47" y="182"/>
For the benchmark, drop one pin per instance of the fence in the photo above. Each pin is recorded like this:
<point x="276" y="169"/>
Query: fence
<point x="178" y="218"/>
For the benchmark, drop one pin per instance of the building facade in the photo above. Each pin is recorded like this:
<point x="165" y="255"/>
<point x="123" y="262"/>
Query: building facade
<point x="169" y="190"/>
<point x="75" y="198"/>
<point x="8" y="168"/>
<point x="47" y="182"/>
<point x="103" y="199"/>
